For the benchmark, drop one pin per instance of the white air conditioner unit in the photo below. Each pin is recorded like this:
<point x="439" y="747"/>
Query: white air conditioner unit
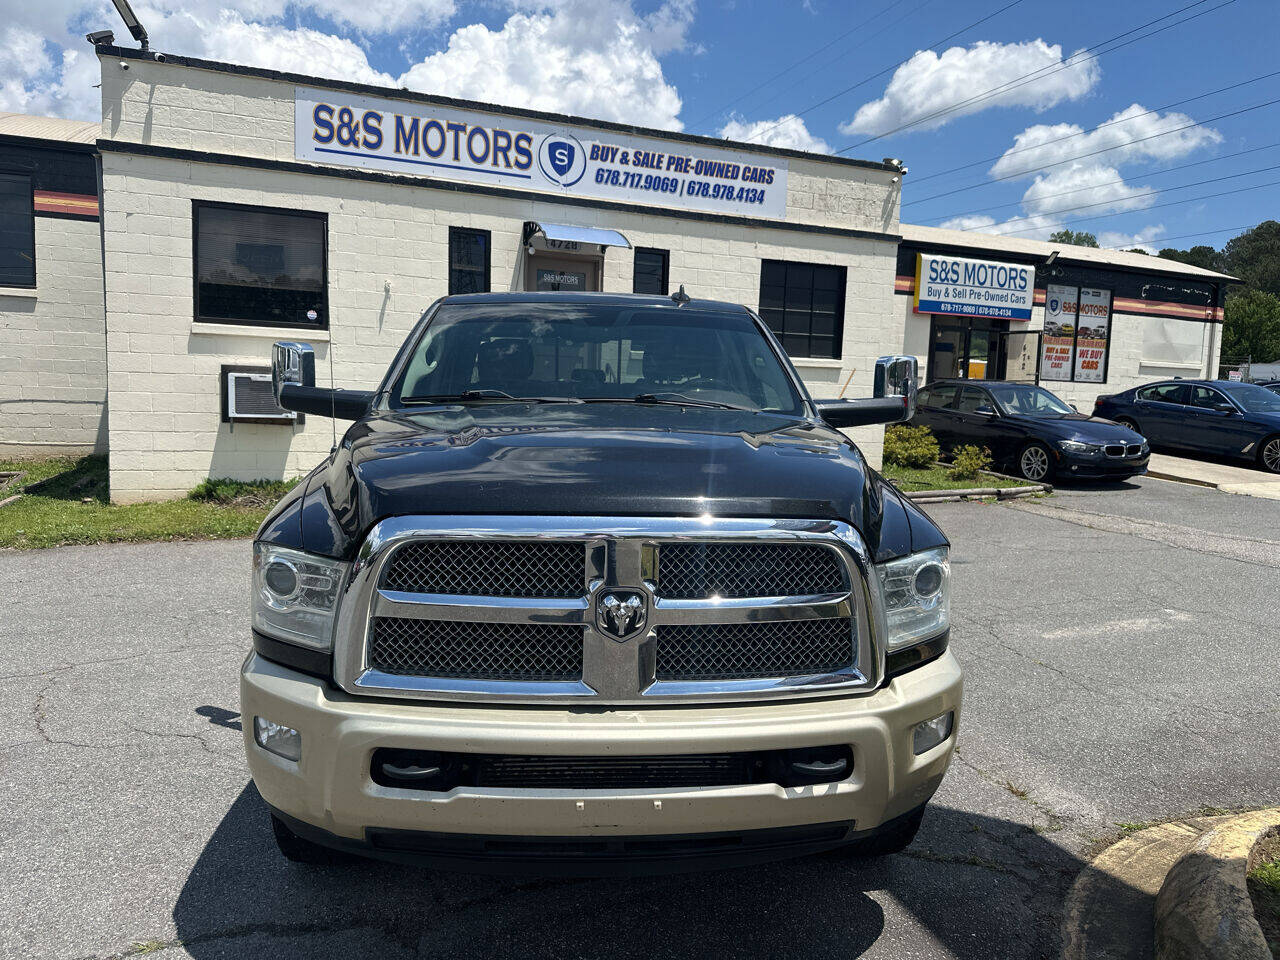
<point x="249" y="398"/>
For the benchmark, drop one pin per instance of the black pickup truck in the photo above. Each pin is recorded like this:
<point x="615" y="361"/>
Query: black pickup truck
<point x="592" y="585"/>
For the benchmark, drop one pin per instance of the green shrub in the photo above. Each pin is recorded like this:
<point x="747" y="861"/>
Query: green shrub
<point x="968" y="461"/>
<point x="912" y="447"/>
<point x="241" y="493"/>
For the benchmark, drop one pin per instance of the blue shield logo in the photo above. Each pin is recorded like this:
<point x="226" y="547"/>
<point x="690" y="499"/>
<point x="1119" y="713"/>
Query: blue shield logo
<point x="560" y="154"/>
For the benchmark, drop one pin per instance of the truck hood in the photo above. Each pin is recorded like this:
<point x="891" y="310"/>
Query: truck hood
<point x="593" y="460"/>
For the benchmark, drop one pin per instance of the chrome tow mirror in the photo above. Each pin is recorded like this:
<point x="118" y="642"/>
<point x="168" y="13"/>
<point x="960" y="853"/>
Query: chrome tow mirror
<point x="894" y="400"/>
<point x="292" y="363"/>
<point x="897" y="376"/>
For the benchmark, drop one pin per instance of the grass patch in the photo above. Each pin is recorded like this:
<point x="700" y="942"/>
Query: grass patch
<point x="939" y="478"/>
<point x="70" y="504"/>
<point x="1264" y="889"/>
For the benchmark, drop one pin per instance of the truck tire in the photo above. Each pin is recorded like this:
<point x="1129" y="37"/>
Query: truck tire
<point x="895" y="839"/>
<point x="296" y="849"/>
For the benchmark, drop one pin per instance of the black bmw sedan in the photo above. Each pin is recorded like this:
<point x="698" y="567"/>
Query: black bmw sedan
<point x="1029" y="430"/>
<point x="1220" y="417"/>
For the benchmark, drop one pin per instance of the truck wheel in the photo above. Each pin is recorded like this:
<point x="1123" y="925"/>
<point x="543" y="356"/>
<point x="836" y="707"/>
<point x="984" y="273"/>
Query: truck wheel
<point x="894" y="840"/>
<point x="1035" y="463"/>
<point x="295" y="849"/>
<point x="1269" y="454"/>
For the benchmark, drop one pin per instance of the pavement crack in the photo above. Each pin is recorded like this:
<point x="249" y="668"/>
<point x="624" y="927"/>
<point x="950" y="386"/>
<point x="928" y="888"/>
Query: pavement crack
<point x="1055" y="821"/>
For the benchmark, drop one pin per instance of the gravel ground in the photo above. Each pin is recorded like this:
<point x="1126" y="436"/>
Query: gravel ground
<point x="1120" y="647"/>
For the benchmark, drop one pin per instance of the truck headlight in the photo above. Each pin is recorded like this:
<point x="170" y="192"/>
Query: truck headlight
<point x="295" y="595"/>
<point x="917" y="597"/>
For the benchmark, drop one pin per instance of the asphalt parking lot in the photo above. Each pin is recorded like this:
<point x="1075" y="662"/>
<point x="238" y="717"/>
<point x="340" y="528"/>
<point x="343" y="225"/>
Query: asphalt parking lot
<point x="1121" y="655"/>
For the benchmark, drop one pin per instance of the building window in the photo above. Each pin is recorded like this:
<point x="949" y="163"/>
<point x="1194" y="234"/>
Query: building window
<point x="17" y="232"/>
<point x="1077" y="334"/>
<point x="468" y="260"/>
<point x="651" y="271"/>
<point x="803" y="303"/>
<point x="257" y="265"/>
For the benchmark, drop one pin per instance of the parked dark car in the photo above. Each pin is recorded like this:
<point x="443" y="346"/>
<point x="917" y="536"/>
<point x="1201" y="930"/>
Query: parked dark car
<point x="1272" y="385"/>
<point x="1221" y="417"/>
<point x="1029" y="430"/>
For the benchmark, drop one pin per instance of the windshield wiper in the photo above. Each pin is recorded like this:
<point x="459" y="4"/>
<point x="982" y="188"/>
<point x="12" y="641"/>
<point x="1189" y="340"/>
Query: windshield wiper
<point x="681" y="400"/>
<point x="485" y="394"/>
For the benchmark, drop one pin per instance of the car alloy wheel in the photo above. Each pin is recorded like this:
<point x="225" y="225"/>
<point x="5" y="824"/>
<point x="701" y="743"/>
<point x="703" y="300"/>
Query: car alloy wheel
<point x="1126" y="422"/>
<point x="1270" y="455"/>
<point x="1034" y="462"/>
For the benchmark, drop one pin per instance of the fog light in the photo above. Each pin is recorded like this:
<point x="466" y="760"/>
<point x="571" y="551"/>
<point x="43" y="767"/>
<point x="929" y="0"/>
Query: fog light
<point x="285" y="741"/>
<point x="932" y="732"/>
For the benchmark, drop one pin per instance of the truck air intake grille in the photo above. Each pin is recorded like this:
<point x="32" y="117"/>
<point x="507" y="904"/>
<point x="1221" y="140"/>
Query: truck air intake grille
<point x="491" y="568"/>
<point x="480" y="651"/>
<point x="692" y="571"/>
<point x="778" y="648"/>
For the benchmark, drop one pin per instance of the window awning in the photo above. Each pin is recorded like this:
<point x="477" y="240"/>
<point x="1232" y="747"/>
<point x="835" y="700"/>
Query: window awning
<point x="563" y="231"/>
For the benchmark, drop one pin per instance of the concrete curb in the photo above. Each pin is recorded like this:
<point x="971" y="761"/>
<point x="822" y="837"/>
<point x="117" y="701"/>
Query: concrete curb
<point x="1203" y="910"/>
<point x="1107" y="915"/>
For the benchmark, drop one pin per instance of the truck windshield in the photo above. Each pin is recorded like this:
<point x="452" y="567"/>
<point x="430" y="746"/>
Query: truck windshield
<point x="493" y="352"/>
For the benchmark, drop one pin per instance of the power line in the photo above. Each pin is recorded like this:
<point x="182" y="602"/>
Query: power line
<point x="1115" y="146"/>
<point x="1184" y="236"/>
<point x="1120" y="213"/>
<point x="1118" y="180"/>
<point x="861" y="43"/>
<point x="1041" y="74"/>
<point x="805" y="59"/>
<point x="1072" y="136"/>
<point x="888" y="69"/>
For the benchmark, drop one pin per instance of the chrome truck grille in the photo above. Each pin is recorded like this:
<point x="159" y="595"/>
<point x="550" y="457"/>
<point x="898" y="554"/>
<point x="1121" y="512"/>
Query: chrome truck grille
<point x="620" y="610"/>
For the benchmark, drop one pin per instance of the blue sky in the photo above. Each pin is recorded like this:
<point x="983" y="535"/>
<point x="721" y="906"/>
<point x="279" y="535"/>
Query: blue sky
<point x="1091" y="142"/>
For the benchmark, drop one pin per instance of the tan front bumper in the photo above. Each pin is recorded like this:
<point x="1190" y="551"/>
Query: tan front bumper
<point x="331" y="787"/>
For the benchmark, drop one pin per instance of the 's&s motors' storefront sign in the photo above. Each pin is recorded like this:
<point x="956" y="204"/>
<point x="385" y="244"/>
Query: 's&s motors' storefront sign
<point x="454" y="144"/>
<point x="973" y="288"/>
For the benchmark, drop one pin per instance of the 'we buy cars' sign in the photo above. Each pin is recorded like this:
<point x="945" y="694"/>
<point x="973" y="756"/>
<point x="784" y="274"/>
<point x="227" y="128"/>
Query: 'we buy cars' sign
<point x="426" y="140"/>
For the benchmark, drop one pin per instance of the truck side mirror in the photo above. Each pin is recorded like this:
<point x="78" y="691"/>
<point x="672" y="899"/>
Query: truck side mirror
<point x="894" y="399"/>
<point x="293" y="381"/>
<point x="292" y="363"/>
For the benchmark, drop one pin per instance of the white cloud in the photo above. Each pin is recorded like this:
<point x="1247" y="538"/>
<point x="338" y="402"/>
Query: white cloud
<point x="1033" y="227"/>
<point x="1095" y="186"/>
<point x="597" y="58"/>
<point x="929" y="82"/>
<point x="788" y="131"/>
<point x="1127" y="241"/>
<point x="1131" y="135"/>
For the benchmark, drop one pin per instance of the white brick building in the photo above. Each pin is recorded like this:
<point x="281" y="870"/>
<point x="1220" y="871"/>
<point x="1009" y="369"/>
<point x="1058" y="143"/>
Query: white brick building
<point x="242" y="206"/>
<point x="53" y="371"/>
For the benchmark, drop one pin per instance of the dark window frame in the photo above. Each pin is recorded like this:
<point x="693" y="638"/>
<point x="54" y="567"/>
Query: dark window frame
<point x="665" y="257"/>
<point x="837" y="334"/>
<point x="488" y="256"/>
<point x="323" y="217"/>
<point x="31" y="216"/>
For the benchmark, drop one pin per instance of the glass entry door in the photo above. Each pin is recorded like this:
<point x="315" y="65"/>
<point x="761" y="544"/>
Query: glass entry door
<point x="967" y="348"/>
<point x="576" y="275"/>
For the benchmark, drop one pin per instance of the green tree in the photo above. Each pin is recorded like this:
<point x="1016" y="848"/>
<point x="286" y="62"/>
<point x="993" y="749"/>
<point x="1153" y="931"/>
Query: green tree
<point x="1252" y="326"/>
<point x="1201" y="256"/>
<point x="1077" y="238"/>
<point x="1254" y="257"/>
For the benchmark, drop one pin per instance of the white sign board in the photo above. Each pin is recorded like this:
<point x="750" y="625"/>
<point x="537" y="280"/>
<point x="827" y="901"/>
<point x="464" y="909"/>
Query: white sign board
<point x="973" y="288"/>
<point x="373" y="133"/>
